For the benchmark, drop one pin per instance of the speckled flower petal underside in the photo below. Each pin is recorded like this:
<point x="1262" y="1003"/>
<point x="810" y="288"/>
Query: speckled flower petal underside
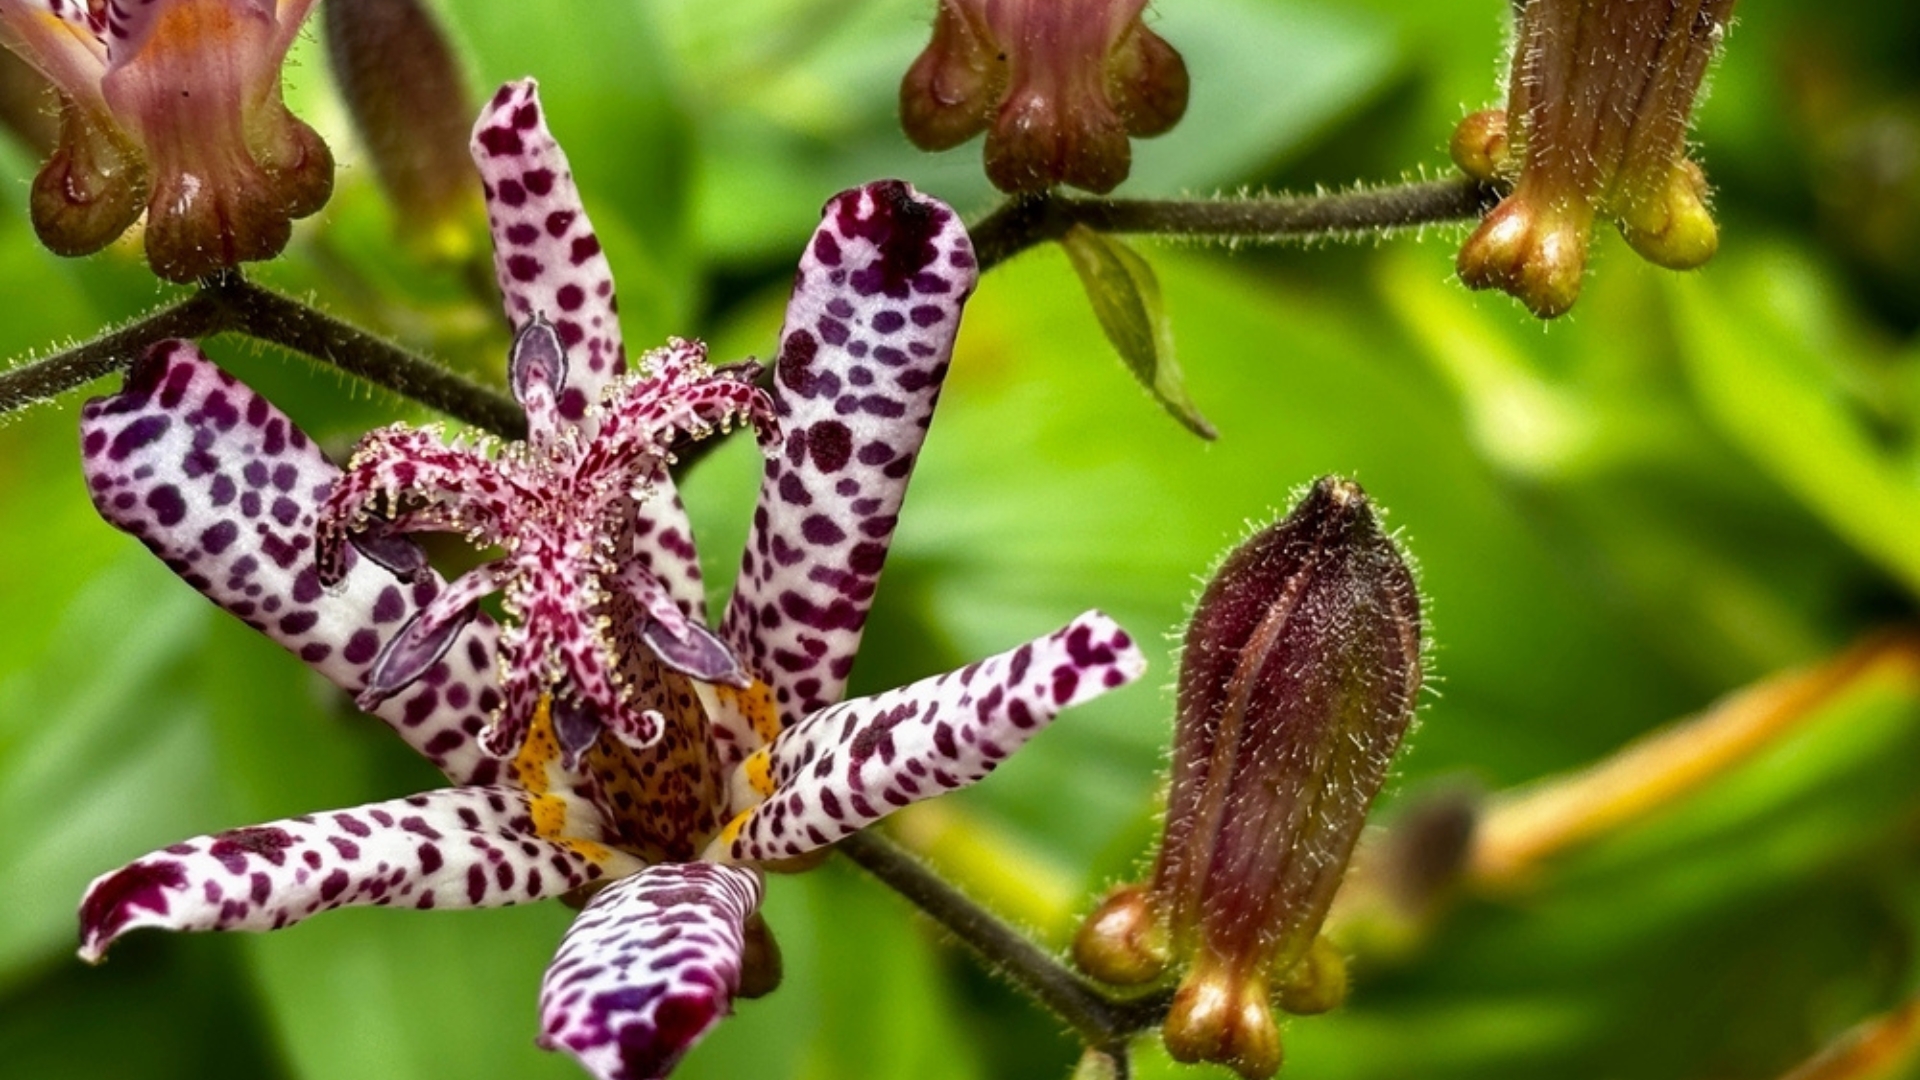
<point x="455" y="848"/>
<point x="868" y="335"/>
<point x="650" y="965"/>
<point x="224" y="488"/>
<point x="548" y="262"/>
<point x="848" y="766"/>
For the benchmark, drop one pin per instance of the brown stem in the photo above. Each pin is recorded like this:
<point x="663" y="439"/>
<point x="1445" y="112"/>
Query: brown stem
<point x="283" y="321"/>
<point x="1023" y="222"/>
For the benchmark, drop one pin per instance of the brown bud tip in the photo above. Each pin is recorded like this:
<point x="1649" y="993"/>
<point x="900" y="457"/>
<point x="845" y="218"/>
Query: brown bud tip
<point x="1531" y="249"/>
<point x="1122" y="941"/>
<point x="1479" y="145"/>
<point x="92" y="188"/>
<point x="1318" y="983"/>
<point x="197" y="224"/>
<point x="1060" y="86"/>
<point x="410" y="103"/>
<point x="954" y="86"/>
<point x="761" y="968"/>
<point x="1299" y="677"/>
<point x="1672" y="226"/>
<point x="1220" y="1017"/>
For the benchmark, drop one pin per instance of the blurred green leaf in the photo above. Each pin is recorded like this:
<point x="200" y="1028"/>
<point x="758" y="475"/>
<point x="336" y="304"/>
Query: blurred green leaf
<point x="1126" y="299"/>
<point x="1771" y="395"/>
<point x="98" y="761"/>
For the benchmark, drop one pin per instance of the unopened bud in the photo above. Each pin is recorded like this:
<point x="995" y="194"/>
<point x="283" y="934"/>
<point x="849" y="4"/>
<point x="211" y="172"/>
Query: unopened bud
<point x="1221" y="1015"/>
<point x="411" y="105"/>
<point x="1598" y="102"/>
<point x="1318" y="983"/>
<point x="1060" y="87"/>
<point x="1298" y="680"/>
<point x="1123" y="942"/>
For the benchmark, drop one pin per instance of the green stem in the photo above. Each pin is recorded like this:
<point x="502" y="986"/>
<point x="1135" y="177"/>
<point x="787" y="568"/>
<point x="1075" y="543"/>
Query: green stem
<point x="1106" y="1022"/>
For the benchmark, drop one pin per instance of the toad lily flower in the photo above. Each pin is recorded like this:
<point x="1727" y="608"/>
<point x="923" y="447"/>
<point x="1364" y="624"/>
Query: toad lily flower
<point x="642" y="751"/>
<point x="172" y="107"/>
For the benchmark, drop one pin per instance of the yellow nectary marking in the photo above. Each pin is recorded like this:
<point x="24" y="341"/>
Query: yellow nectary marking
<point x="552" y="815"/>
<point x="758" y="769"/>
<point x="754" y="705"/>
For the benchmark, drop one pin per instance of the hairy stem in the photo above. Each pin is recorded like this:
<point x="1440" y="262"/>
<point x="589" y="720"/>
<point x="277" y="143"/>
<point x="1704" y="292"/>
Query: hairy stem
<point x="1021" y="223"/>
<point x="227" y="302"/>
<point x="271" y="317"/>
<point x="40" y="380"/>
<point x="1106" y="1022"/>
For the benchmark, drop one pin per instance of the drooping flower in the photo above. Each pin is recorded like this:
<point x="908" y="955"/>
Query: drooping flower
<point x="172" y="107"/>
<point x="1595" y="127"/>
<point x="1059" y="86"/>
<point x="677" y="818"/>
<point x="1297" y="681"/>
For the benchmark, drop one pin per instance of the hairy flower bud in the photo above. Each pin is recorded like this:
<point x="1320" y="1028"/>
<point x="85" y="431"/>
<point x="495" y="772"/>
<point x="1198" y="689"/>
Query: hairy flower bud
<point x="1301" y="668"/>
<point x="411" y="105"/>
<point x="174" y="107"/>
<point x="1598" y="101"/>
<point x="1058" y="85"/>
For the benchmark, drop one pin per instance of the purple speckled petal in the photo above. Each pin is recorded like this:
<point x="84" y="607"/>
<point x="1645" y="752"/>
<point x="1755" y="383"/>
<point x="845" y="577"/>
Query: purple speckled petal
<point x="548" y="262"/>
<point x="848" y="766"/>
<point x="457" y="848"/>
<point x="869" y="331"/>
<point x="650" y="965"/>
<point x="546" y="256"/>
<point x="222" y="486"/>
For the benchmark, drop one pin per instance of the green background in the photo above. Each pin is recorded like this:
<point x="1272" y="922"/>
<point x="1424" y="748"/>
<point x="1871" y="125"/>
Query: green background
<point x="1685" y="485"/>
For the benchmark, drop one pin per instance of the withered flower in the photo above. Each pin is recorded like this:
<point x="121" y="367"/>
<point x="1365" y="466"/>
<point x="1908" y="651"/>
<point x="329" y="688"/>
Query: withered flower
<point x="1598" y="101"/>
<point x="1059" y="86"/>
<point x="1301" y="667"/>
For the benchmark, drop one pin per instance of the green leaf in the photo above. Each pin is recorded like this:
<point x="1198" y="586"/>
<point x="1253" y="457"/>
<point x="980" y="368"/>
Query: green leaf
<point x="1126" y="299"/>
<point x="1771" y="391"/>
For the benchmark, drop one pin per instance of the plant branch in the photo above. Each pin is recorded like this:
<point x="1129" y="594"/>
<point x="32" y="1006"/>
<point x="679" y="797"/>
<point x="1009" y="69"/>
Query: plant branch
<point x="1104" y="1021"/>
<point x="39" y="380"/>
<point x="271" y="317"/>
<point x="1023" y="222"/>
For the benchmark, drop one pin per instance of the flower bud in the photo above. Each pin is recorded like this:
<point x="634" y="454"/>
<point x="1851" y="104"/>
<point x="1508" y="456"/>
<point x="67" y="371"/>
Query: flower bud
<point x="1301" y="667"/>
<point x="174" y="107"/>
<point x="1598" y="101"/>
<point x="1058" y="85"/>
<point x="410" y="103"/>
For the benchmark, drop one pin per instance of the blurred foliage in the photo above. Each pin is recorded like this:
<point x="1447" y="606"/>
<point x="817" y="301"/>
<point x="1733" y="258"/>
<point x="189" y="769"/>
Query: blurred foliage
<point x="1687" y="484"/>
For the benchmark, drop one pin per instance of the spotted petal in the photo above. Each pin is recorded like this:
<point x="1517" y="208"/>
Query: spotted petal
<point x="222" y="486"/>
<point x="650" y="965"/>
<point x="868" y="334"/>
<point x="458" y="847"/>
<point x="548" y="262"/>
<point x="848" y="766"/>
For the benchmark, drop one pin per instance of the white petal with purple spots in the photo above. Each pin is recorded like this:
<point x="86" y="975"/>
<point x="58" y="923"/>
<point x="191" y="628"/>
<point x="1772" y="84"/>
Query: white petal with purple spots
<point x="650" y="965"/>
<point x="868" y="335"/>
<point x="223" y="487"/>
<point x="848" y="766"/>
<point x="456" y="848"/>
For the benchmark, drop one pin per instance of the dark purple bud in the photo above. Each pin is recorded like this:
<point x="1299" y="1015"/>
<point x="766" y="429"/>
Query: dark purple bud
<point x="697" y="652"/>
<point x="411" y="105"/>
<point x="1595" y="128"/>
<point x="536" y="357"/>
<point x="1299" y="676"/>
